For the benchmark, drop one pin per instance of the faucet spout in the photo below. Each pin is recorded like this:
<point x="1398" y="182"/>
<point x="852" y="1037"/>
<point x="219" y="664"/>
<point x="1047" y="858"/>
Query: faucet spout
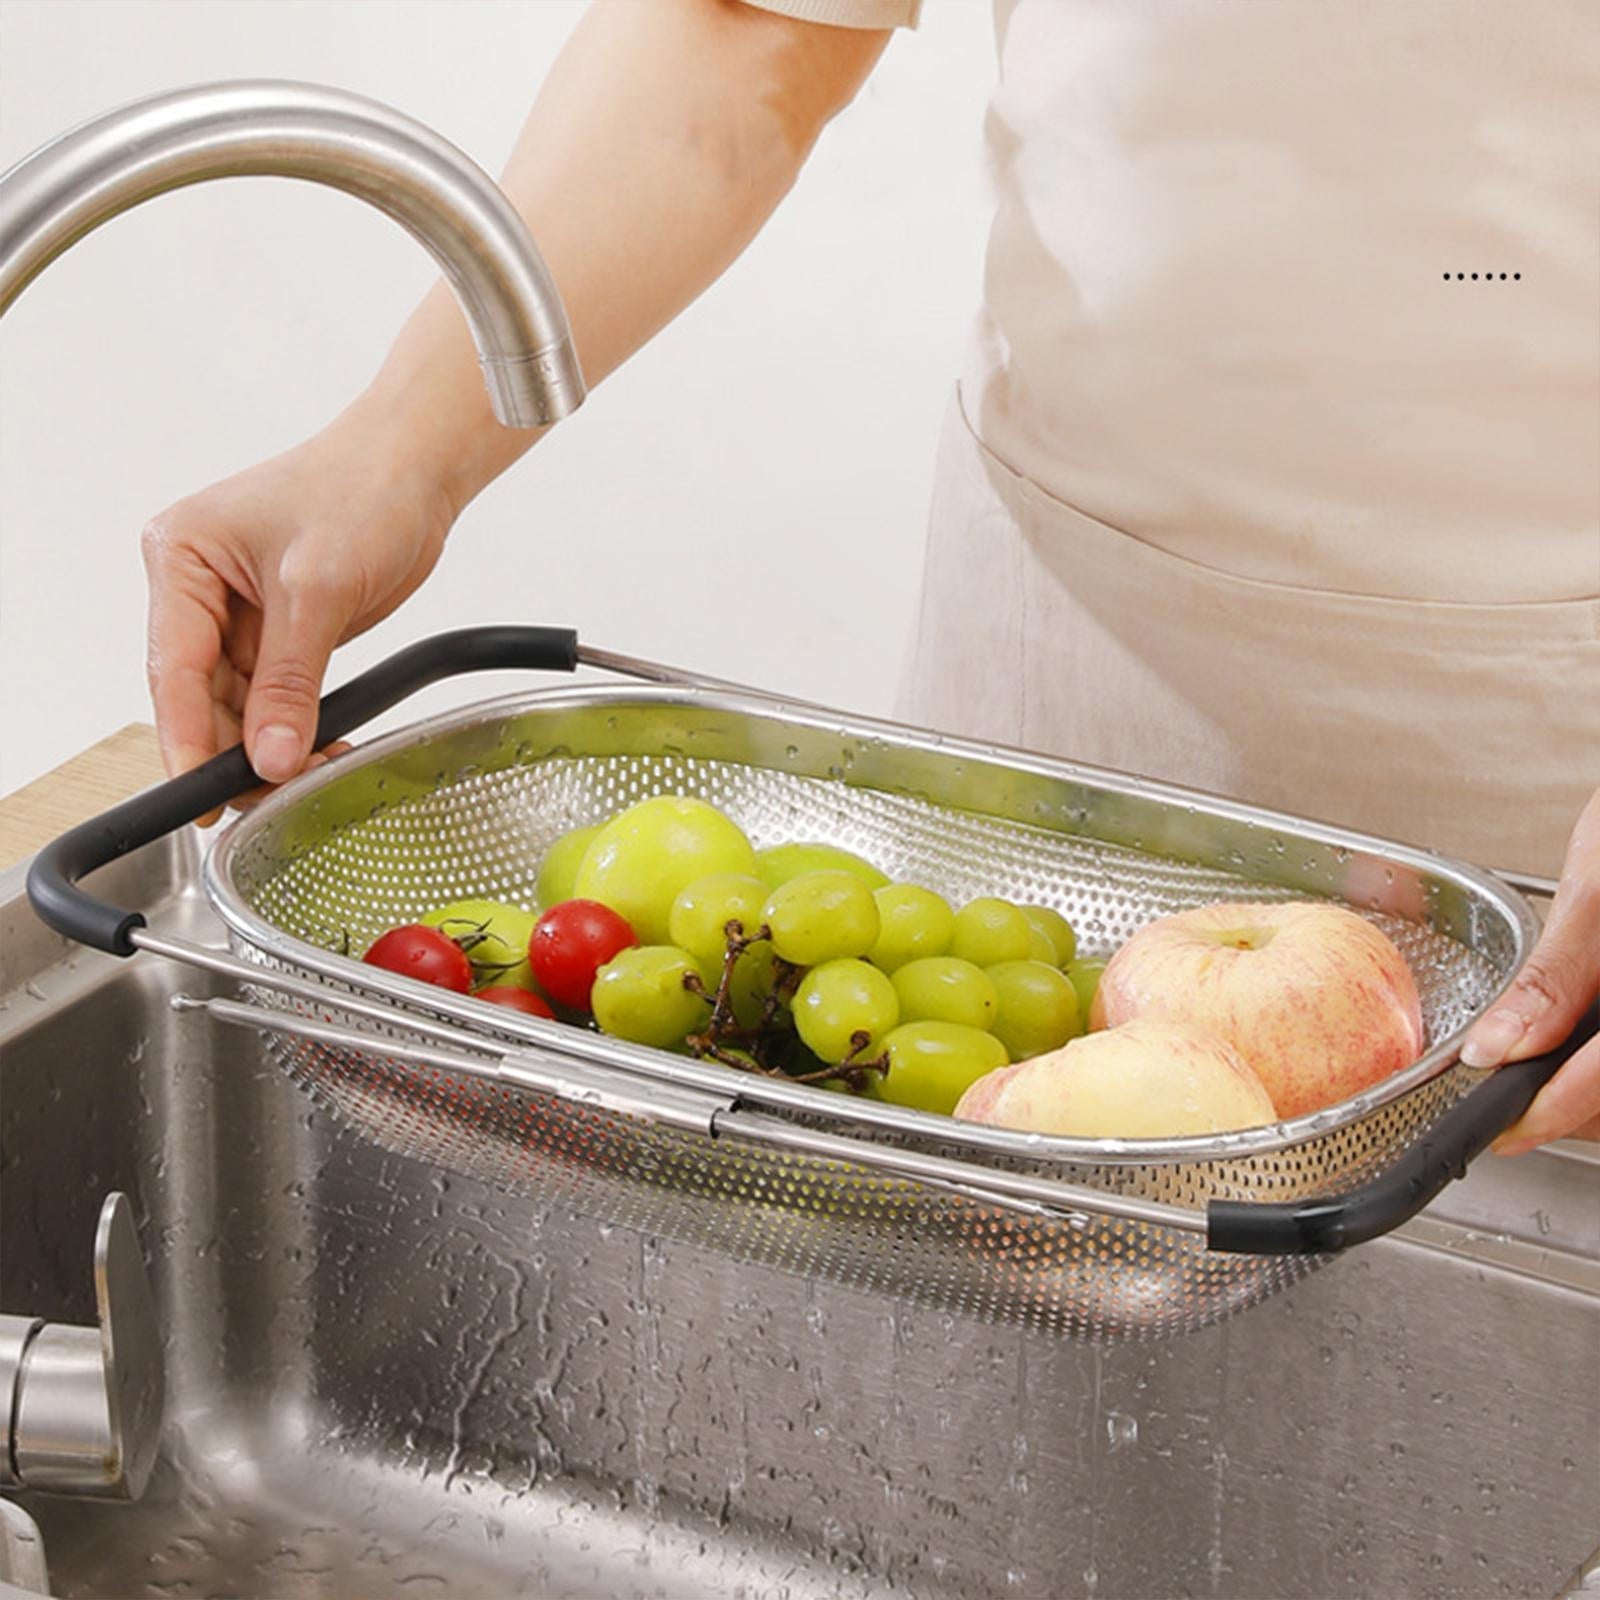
<point x="67" y="188"/>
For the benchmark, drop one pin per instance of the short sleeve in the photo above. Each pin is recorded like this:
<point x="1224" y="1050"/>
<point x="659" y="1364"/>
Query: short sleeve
<point x="847" y="13"/>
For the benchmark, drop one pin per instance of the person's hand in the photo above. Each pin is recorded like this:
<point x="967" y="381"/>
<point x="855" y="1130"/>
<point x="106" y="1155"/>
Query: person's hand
<point x="254" y="581"/>
<point x="1550" y="994"/>
<point x="683" y="125"/>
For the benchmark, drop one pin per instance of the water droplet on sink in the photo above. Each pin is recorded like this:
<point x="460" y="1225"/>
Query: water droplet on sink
<point x="1122" y="1429"/>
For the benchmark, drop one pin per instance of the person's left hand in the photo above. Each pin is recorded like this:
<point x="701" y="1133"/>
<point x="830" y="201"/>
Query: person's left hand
<point x="1550" y="994"/>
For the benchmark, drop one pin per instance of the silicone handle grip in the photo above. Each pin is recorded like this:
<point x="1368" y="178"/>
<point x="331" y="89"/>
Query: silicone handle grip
<point x="1310" y="1227"/>
<point x="54" y="875"/>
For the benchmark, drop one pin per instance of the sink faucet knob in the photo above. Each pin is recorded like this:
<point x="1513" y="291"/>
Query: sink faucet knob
<point x="83" y="1406"/>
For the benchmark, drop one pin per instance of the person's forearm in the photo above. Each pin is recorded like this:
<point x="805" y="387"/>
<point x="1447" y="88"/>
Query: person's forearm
<point x="663" y="138"/>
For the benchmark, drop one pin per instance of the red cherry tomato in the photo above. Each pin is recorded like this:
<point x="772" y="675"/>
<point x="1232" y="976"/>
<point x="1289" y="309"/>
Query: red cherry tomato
<point x="571" y="942"/>
<point x="424" y="954"/>
<point x="515" y="1000"/>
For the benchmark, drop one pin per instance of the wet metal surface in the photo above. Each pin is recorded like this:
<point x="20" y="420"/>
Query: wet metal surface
<point x="386" y="1382"/>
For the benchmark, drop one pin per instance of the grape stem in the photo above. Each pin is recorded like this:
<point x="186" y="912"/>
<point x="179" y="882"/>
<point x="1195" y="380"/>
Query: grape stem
<point x="853" y="1069"/>
<point x="852" y="1072"/>
<point x="722" y="1027"/>
<point x="723" y="1038"/>
<point x="702" y="1046"/>
<point x="786" y="980"/>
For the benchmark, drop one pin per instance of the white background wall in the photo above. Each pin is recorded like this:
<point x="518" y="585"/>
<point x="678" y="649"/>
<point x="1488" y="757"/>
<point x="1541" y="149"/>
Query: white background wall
<point x="747" y="497"/>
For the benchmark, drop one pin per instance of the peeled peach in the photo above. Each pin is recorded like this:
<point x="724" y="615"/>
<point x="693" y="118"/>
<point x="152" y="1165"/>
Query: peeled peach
<point x="1143" y="1080"/>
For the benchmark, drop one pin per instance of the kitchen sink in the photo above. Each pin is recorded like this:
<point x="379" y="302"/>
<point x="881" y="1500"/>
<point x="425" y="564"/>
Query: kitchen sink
<point x="382" y="1381"/>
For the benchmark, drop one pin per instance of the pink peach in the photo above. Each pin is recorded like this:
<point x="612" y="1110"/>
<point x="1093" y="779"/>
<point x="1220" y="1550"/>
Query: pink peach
<point x="1316" y="999"/>
<point x="1144" y="1080"/>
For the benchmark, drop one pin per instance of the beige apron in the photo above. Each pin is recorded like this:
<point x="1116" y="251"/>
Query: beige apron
<point x="1473" y="729"/>
<point x="1277" y="468"/>
<point x="1246" y="492"/>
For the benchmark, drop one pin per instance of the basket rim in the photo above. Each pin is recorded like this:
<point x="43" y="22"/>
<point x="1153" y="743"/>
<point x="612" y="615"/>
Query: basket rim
<point x="847" y="1113"/>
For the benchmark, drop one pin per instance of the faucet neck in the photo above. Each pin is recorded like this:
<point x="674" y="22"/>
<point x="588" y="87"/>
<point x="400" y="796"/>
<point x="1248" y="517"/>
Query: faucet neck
<point x="69" y="187"/>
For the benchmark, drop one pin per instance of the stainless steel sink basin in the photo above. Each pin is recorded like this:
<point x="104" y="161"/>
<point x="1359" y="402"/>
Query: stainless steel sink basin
<point x="384" y="1383"/>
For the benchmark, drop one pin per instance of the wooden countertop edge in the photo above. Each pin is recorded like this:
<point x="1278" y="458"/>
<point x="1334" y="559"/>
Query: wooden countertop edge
<point x="88" y="783"/>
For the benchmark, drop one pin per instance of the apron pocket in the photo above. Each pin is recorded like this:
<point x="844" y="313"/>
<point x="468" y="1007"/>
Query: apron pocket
<point x="1471" y="729"/>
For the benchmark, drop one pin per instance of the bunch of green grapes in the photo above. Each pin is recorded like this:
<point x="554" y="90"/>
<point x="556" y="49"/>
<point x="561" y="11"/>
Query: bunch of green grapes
<point x="806" y="960"/>
<point x="977" y="988"/>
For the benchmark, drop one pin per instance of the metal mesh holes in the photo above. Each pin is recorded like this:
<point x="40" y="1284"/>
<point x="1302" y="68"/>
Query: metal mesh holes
<point x="467" y="808"/>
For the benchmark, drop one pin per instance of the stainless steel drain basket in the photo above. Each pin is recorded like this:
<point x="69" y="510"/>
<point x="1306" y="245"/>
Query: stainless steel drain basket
<point x="1098" y="1237"/>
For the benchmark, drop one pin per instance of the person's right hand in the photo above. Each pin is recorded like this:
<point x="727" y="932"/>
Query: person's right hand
<point x="254" y="581"/>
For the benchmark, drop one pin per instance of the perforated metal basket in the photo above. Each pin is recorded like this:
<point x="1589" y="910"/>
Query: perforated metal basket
<point x="1098" y="1237"/>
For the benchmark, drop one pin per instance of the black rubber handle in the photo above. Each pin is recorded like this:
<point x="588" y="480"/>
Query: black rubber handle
<point x="1310" y="1227"/>
<point x="54" y="875"/>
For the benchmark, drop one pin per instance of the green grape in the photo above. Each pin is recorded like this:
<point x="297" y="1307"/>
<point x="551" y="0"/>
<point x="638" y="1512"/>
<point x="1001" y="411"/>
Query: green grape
<point x="946" y="989"/>
<point x="777" y="864"/>
<point x="643" y="857"/>
<point x="1055" y="928"/>
<point x="1039" y="946"/>
<point x="703" y="909"/>
<point x="912" y="923"/>
<point x="494" y="938"/>
<point x="821" y="916"/>
<point x="932" y="1064"/>
<point x="837" y="1003"/>
<point x="1038" y="1008"/>
<point x="558" y="871"/>
<point x="639" y="996"/>
<point x="989" y="931"/>
<point x="755" y="976"/>
<point x="1084" y="976"/>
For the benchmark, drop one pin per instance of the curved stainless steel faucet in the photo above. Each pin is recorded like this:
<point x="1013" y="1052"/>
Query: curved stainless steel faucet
<point x="67" y="188"/>
<point x="80" y="1409"/>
